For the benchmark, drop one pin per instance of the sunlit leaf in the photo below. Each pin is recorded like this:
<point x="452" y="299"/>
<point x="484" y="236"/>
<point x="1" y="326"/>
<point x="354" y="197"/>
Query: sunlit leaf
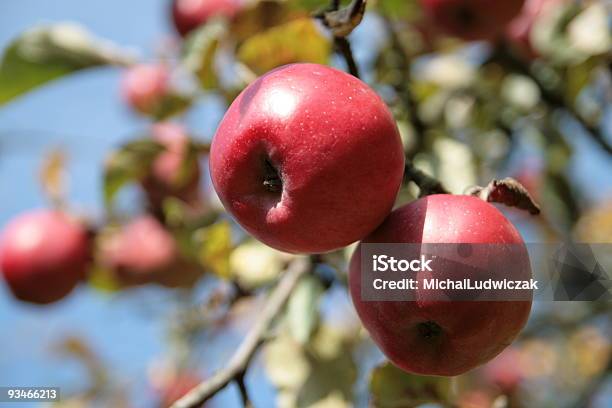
<point x="200" y="52"/>
<point x="333" y="370"/>
<point x="391" y="387"/>
<point x="596" y="224"/>
<point x="216" y="246"/>
<point x="297" y="41"/>
<point x="254" y="264"/>
<point x="262" y="15"/>
<point x="303" y="308"/>
<point x="45" y="53"/>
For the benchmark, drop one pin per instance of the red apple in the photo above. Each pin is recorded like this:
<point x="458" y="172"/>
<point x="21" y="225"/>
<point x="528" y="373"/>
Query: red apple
<point x="143" y="252"/>
<point x="165" y="178"/>
<point x="190" y="14"/>
<point x="43" y="255"/>
<point x="472" y="19"/>
<point x="144" y="87"/>
<point x="519" y="30"/>
<point x="505" y="371"/>
<point x="307" y="159"/>
<point x="430" y="336"/>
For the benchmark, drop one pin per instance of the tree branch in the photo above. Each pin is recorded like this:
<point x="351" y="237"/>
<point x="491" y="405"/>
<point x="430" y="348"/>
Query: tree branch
<point x="253" y="339"/>
<point x="244" y="393"/>
<point x="402" y="88"/>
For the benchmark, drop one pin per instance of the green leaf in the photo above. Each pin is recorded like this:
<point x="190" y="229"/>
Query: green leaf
<point x="130" y="163"/>
<point x="46" y="53"/>
<point x="406" y="9"/>
<point x="296" y="41"/>
<point x="200" y="51"/>
<point x="103" y="280"/>
<point x="333" y="370"/>
<point x="578" y="76"/>
<point x="391" y="387"/>
<point x="303" y="309"/>
<point x="172" y="104"/>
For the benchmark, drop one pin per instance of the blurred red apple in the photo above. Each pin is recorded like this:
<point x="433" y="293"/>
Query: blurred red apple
<point x="176" y="387"/>
<point x="43" y="255"/>
<point x="144" y="87"/>
<point x="190" y="14"/>
<point x="472" y="19"/>
<point x="505" y="370"/>
<point x="307" y="159"/>
<point x="166" y="178"/>
<point x="431" y="336"/>
<point x="143" y="252"/>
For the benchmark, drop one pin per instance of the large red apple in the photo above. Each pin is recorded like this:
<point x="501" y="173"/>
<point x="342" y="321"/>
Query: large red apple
<point x="144" y="87"/>
<point x="143" y="251"/>
<point x="472" y="19"/>
<point x="166" y="178"/>
<point x="43" y="255"/>
<point x="307" y="159"/>
<point x="190" y="14"/>
<point x="430" y="336"/>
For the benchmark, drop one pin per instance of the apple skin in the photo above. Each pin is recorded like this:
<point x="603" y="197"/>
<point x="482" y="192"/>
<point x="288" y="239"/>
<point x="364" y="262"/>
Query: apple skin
<point x="144" y="87"/>
<point x="308" y="159"/>
<point x="143" y="252"/>
<point x="470" y="332"/>
<point x="188" y="15"/>
<point x="43" y="255"/>
<point x="472" y="19"/>
<point x="163" y="178"/>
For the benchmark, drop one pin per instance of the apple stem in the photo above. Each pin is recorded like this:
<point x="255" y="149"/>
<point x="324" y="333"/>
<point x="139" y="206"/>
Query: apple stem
<point x="427" y="184"/>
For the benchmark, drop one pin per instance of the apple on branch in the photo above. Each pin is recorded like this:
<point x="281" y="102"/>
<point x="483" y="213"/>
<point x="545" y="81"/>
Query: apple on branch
<point x="308" y="159"/>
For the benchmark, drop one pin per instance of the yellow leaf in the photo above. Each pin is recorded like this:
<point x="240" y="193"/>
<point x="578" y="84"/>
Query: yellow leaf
<point x="296" y="41"/>
<point x="216" y="248"/>
<point x="52" y="175"/>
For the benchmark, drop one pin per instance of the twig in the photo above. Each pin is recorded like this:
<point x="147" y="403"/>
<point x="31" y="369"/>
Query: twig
<point x="344" y="48"/>
<point x="239" y="362"/>
<point x="341" y="22"/>
<point x="427" y="184"/>
<point x="403" y="90"/>
<point x="505" y="57"/>
<point x="244" y="393"/>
